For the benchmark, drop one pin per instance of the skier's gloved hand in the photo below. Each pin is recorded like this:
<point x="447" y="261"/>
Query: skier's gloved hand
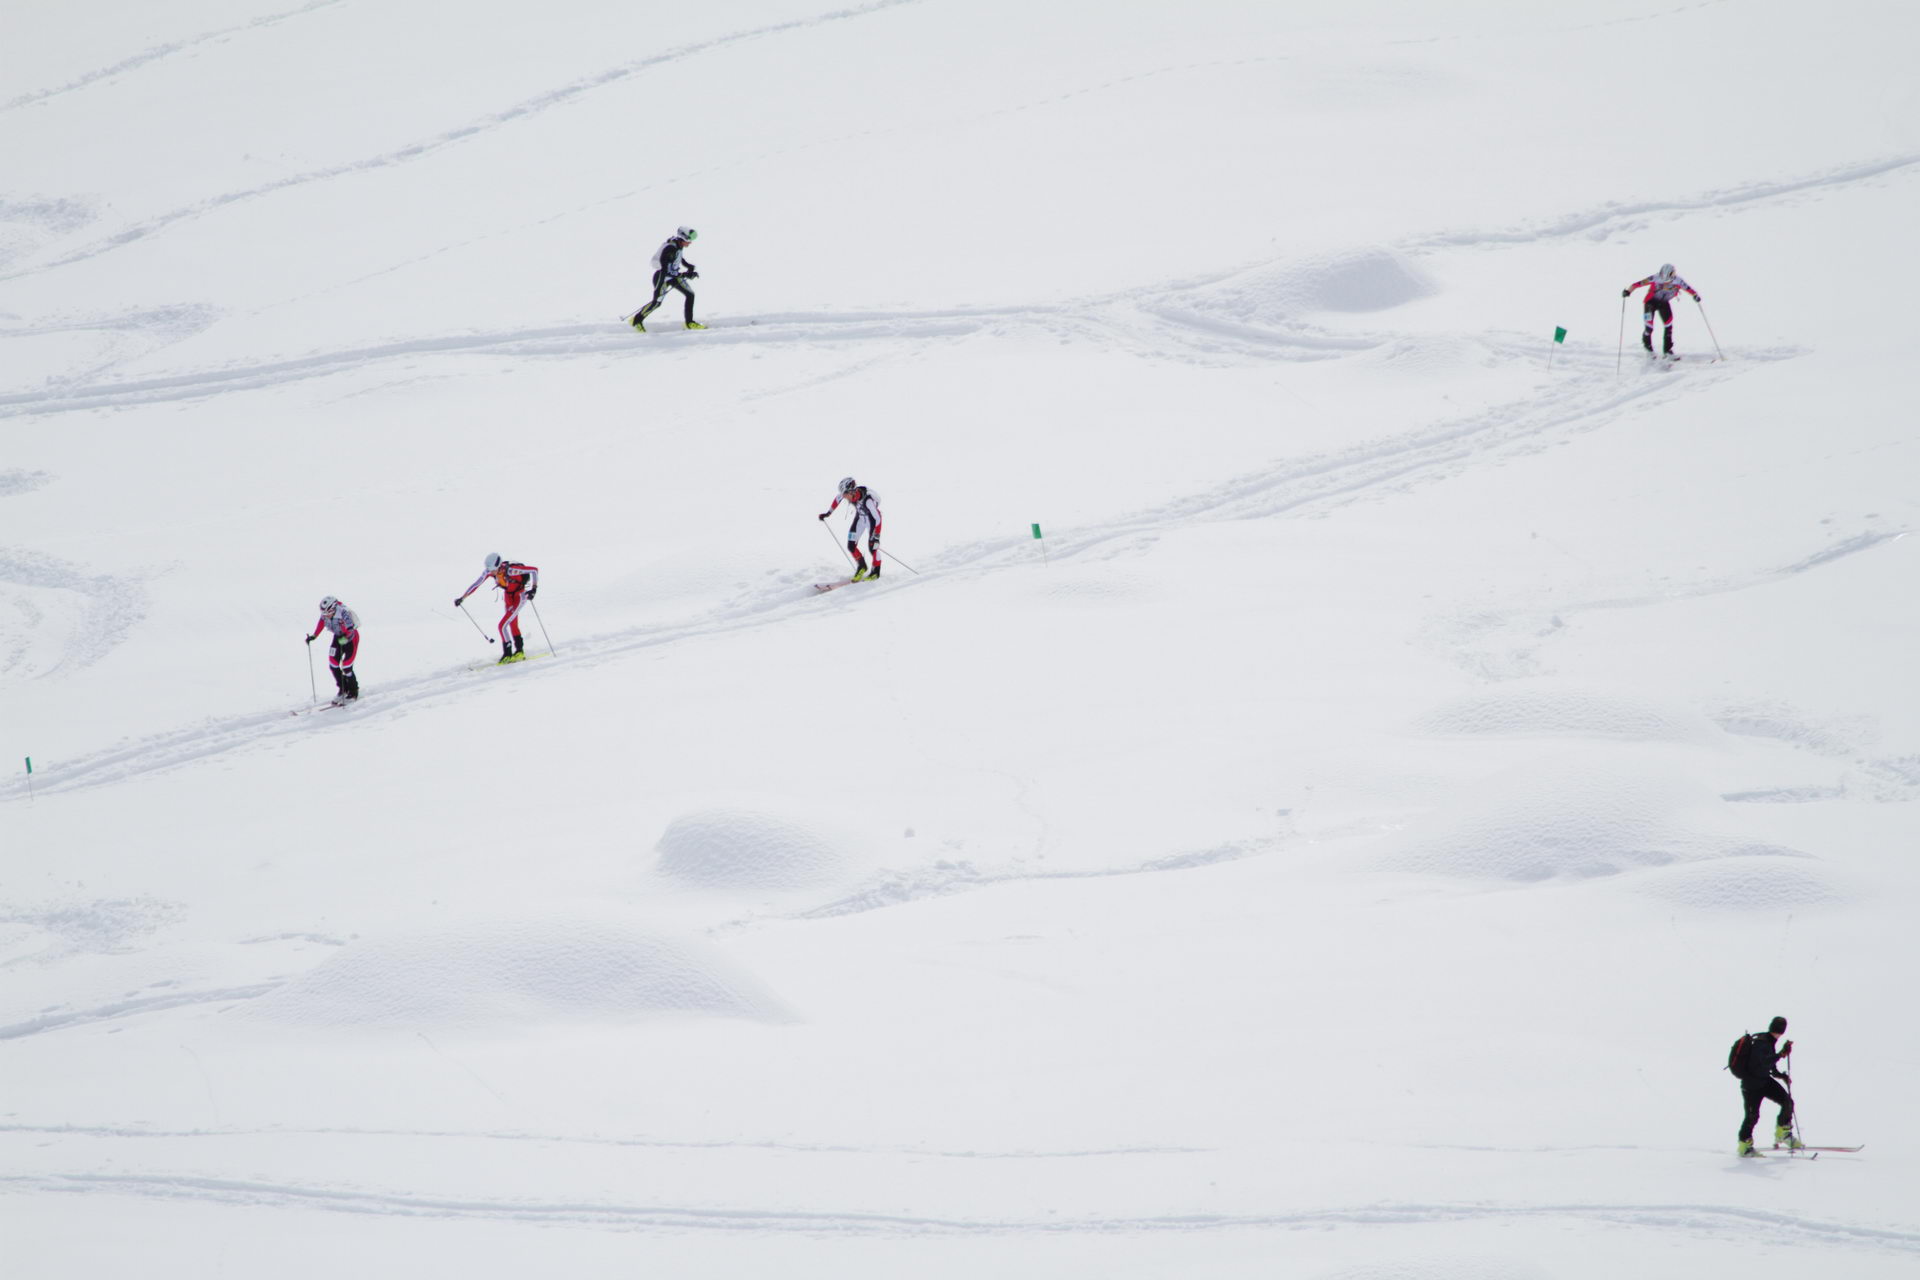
<point x="532" y="592"/>
<point x="458" y="601"/>
<point x="310" y="639"/>
<point x="1698" y="298"/>
<point x="1626" y="293"/>
<point x="692" y="275"/>
<point x="825" y="514"/>
<point x="1784" y="1076"/>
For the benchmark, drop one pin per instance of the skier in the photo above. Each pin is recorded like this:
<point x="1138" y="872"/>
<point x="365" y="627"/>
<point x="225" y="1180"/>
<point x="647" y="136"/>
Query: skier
<point x="521" y="582"/>
<point x="866" y="515"/>
<point x="1757" y="1085"/>
<point x="340" y="620"/>
<point x="671" y="271"/>
<point x="1663" y="286"/>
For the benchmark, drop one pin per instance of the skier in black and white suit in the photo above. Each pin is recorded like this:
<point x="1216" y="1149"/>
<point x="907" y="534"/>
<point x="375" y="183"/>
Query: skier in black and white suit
<point x="671" y="270"/>
<point x="866" y="519"/>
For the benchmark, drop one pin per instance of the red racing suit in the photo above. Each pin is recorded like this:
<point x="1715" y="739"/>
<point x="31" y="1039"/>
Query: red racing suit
<point x="518" y="582"/>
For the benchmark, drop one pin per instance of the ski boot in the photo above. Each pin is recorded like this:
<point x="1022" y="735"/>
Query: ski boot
<point x="506" y="657"/>
<point x="860" y="574"/>
<point x="1746" y="1149"/>
<point x="638" y="322"/>
<point x="1785" y="1137"/>
<point x="695" y="324"/>
<point x="876" y="571"/>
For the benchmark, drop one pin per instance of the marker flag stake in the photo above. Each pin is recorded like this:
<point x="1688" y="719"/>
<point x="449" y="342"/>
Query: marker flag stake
<point x="1044" y="559"/>
<point x="1559" y="336"/>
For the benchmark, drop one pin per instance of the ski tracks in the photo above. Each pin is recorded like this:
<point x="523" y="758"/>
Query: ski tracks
<point x="1583" y="402"/>
<point x="1692" y="1218"/>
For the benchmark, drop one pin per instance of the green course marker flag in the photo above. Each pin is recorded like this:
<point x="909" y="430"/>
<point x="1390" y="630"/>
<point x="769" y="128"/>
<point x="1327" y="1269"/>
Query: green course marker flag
<point x="1559" y="336"/>
<point x="1044" y="558"/>
<point x="29" y="764"/>
<point x="29" y="777"/>
<point x="1036" y="531"/>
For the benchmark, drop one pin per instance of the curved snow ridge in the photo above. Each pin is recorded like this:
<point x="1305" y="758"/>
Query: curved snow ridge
<point x="945" y="877"/>
<point x="514" y="972"/>
<point x="1501" y="645"/>
<point x="58" y="1020"/>
<point x="1594" y="222"/>
<point x="157" y="52"/>
<point x="99" y="611"/>
<point x="1716" y="1219"/>
<point x="595" y="1140"/>
<point x="1584" y="403"/>
<point x="485" y="124"/>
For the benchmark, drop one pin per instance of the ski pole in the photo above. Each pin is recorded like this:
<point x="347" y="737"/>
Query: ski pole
<point x="543" y="627"/>
<point x="1718" y="354"/>
<point x="836" y="542"/>
<point x="904" y="565"/>
<point x="313" y="686"/>
<point x="476" y="626"/>
<point x="1620" y="359"/>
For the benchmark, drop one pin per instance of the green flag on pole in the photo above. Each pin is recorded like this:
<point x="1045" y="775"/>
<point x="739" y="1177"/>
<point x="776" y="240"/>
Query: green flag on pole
<point x="1036" y="531"/>
<point x="29" y="764"/>
<point x="1559" y="335"/>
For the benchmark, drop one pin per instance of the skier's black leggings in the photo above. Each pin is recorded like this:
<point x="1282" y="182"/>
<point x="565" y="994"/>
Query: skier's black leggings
<point x="1755" y="1092"/>
<point x="663" y="282"/>
<point x="1663" y="309"/>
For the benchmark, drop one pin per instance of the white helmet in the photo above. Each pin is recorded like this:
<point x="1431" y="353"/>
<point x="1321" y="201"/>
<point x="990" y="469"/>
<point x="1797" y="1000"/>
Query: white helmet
<point x="328" y="604"/>
<point x="493" y="561"/>
<point x="1665" y="272"/>
<point x="847" y="485"/>
<point x="687" y="234"/>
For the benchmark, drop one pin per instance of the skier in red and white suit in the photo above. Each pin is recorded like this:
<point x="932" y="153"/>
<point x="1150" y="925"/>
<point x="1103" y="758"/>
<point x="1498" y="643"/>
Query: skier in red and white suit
<point x="866" y="519"/>
<point x="345" y="625"/>
<point x="520" y="582"/>
<point x="1663" y="286"/>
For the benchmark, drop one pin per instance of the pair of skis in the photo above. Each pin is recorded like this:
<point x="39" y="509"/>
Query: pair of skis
<point x="1789" y="1153"/>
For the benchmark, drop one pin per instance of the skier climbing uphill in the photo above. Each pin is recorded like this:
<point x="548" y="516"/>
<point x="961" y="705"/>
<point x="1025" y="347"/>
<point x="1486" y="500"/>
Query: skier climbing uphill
<point x="1663" y="286"/>
<point x="866" y="517"/>
<point x="340" y="620"/>
<point x="520" y="582"/>
<point x="671" y="271"/>
<point x="1758" y="1068"/>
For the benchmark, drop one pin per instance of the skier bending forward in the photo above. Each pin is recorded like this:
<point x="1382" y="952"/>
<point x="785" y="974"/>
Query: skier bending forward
<point x="866" y="516"/>
<point x="1663" y="286"/>
<point x="520" y="582"/>
<point x="340" y="620"/>
<point x="671" y="271"/>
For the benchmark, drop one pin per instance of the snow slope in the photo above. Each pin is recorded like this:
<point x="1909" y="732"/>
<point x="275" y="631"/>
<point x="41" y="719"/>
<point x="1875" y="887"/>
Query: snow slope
<point x="1343" y="847"/>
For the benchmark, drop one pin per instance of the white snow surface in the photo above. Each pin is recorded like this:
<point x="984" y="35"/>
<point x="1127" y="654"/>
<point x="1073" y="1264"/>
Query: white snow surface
<point x="1343" y="847"/>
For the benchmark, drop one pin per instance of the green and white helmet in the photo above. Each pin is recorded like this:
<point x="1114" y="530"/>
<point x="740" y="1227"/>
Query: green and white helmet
<point x="687" y="233"/>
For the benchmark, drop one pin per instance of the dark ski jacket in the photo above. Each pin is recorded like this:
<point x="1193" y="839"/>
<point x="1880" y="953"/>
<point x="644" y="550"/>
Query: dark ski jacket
<point x="670" y="263"/>
<point x="1763" y="1058"/>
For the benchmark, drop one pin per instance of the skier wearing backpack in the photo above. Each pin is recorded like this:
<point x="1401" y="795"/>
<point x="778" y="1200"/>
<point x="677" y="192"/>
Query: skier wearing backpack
<point x="1758" y="1067"/>
<point x="345" y="625"/>
<point x="520" y="582"/>
<point x="671" y="271"/>
<point x="866" y="517"/>
<point x="1663" y="286"/>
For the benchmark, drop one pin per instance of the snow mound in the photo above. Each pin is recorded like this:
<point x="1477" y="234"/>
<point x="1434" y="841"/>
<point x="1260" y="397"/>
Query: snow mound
<point x="728" y="848"/>
<point x="1548" y="709"/>
<point x="1576" y="815"/>
<point x="1767" y="883"/>
<point x="509" y="973"/>
<point x="1362" y="281"/>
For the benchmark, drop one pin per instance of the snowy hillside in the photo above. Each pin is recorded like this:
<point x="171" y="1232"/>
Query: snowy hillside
<point x="1342" y="847"/>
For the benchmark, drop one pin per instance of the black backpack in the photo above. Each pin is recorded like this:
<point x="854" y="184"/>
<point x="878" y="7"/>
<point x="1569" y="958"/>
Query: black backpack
<point x="1737" y="1056"/>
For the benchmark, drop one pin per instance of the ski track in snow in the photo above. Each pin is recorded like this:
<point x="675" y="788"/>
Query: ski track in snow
<point x="482" y="125"/>
<point x="1702" y="1219"/>
<point x="589" y="1140"/>
<point x="1587" y="398"/>
<point x="157" y="52"/>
